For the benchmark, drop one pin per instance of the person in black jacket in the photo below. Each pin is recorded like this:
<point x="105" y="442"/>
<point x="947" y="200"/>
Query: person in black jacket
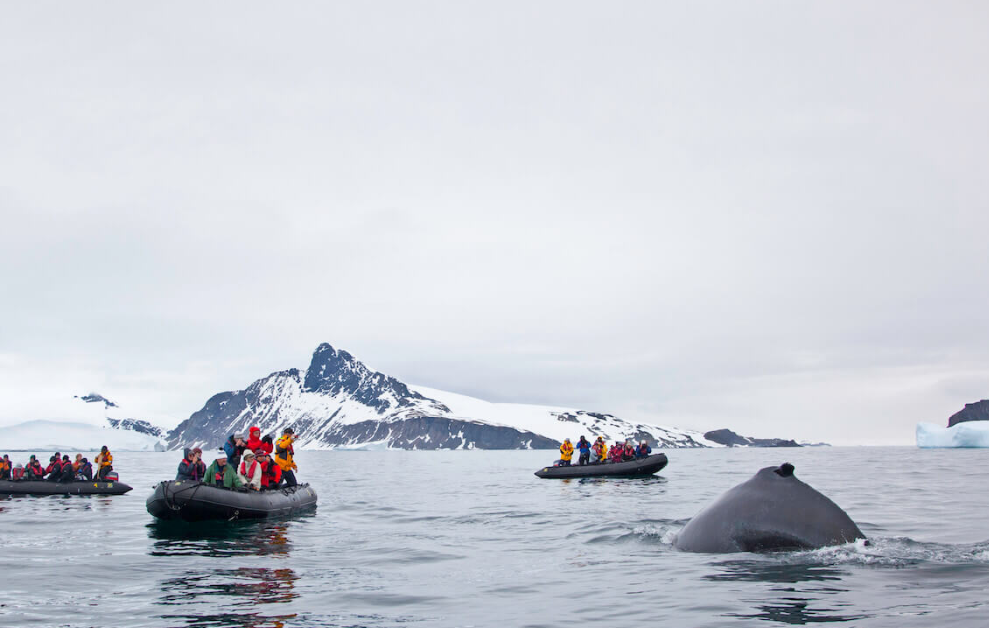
<point x="192" y="468"/>
<point x="85" y="470"/>
<point x="68" y="473"/>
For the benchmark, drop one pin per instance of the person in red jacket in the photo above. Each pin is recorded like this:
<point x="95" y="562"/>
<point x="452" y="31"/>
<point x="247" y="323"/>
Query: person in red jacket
<point x="254" y="441"/>
<point x="271" y="473"/>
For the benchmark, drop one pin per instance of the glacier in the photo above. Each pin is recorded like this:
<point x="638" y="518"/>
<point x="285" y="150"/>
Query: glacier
<point x="82" y="423"/>
<point x="968" y="434"/>
<point x="66" y="436"/>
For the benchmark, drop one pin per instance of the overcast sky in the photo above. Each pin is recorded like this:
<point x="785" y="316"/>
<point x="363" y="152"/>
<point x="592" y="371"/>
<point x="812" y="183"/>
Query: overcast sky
<point x="767" y="216"/>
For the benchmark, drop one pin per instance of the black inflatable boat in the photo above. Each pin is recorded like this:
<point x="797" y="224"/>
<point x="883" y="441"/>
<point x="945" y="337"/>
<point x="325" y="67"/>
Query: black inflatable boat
<point x="195" y="501"/>
<point x="79" y="487"/>
<point x="632" y="468"/>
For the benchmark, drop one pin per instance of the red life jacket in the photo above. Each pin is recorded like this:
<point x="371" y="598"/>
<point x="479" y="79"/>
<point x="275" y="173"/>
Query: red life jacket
<point x="264" y="474"/>
<point x="17" y="473"/>
<point x="248" y="473"/>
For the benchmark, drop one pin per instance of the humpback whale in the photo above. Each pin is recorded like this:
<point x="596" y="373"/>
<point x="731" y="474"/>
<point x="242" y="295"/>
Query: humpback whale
<point x="771" y="511"/>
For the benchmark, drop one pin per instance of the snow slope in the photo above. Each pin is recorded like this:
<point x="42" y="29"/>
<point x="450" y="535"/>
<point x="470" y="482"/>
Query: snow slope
<point x="72" y="437"/>
<point x="77" y="423"/>
<point x="558" y="423"/>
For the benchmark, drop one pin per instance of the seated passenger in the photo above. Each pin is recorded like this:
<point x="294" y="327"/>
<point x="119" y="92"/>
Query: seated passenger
<point x="643" y="450"/>
<point x="221" y="474"/>
<point x="192" y="468"/>
<point x="628" y="451"/>
<point x="85" y="470"/>
<point x="616" y="452"/>
<point x="267" y="464"/>
<point x="604" y="450"/>
<point x="103" y="462"/>
<point x="17" y="473"/>
<point x="54" y="469"/>
<point x="34" y="470"/>
<point x="250" y="471"/>
<point x="68" y="473"/>
<point x="77" y="462"/>
<point x="4" y="468"/>
<point x="272" y="477"/>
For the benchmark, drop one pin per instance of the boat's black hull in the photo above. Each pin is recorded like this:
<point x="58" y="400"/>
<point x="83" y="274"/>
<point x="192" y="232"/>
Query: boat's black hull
<point x="81" y="487"/>
<point x="195" y="501"/>
<point x="630" y="469"/>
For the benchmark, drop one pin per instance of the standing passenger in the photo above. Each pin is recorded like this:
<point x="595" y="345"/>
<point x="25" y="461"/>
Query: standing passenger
<point x="566" y="452"/>
<point x="284" y="453"/>
<point x="585" y="451"/>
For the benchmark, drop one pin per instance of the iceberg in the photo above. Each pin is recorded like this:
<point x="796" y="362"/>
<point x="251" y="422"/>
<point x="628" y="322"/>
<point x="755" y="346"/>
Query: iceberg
<point x="968" y="434"/>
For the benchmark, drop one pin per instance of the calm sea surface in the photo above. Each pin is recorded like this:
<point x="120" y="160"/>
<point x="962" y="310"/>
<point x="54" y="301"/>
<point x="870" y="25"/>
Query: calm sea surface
<point x="474" y="539"/>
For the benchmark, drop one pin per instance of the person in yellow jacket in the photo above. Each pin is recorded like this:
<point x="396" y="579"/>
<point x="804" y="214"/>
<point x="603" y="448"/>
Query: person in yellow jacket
<point x="566" y="453"/>
<point x="104" y="463"/>
<point x="600" y="449"/>
<point x="284" y="453"/>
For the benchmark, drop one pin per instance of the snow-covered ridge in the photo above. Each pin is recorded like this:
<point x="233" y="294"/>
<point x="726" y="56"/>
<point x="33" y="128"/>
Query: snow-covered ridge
<point x="558" y="423"/>
<point x="338" y="402"/>
<point x="83" y="423"/>
<point x="68" y="436"/>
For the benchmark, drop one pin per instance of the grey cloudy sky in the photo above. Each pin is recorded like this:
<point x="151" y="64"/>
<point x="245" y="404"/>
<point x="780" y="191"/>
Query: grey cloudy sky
<point x="768" y="216"/>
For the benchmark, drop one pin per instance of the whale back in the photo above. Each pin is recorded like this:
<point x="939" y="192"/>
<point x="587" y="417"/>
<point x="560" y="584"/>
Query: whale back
<point x="771" y="511"/>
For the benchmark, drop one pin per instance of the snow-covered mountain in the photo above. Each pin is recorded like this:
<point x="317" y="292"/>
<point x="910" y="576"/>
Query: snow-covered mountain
<point x="339" y="402"/>
<point x="83" y="423"/>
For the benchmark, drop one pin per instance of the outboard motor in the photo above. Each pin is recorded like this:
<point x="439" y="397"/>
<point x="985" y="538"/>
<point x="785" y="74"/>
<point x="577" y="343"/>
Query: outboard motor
<point x="111" y="476"/>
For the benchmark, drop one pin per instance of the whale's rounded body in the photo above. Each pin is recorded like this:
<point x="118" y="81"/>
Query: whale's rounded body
<point x="771" y="511"/>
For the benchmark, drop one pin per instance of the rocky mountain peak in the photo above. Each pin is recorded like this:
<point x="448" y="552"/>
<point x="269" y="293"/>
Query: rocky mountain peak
<point x="335" y="372"/>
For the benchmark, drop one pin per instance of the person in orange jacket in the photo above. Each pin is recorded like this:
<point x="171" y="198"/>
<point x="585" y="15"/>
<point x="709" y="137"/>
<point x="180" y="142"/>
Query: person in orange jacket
<point x="284" y="453"/>
<point x="104" y="463"/>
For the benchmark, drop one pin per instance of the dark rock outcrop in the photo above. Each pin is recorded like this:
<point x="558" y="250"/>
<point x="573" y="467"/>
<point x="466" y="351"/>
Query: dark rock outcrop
<point x="95" y="398"/>
<point x="135" y="425"/>
<point x="978" y="411"/>
<point x="731" y="439"/>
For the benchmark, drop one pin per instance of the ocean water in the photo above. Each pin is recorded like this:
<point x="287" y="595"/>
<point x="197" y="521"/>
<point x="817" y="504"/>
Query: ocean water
<point x="474" y="539"/>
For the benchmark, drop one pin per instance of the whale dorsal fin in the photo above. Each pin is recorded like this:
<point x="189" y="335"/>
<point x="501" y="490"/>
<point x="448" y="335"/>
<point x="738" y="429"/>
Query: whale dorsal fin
<point x="785" y="469"/>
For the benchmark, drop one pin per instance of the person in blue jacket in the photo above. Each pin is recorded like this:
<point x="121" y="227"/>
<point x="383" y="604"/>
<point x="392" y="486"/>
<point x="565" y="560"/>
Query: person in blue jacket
<point x="643" y="450"/>
<point x="234" y="448"/>
<point x="585" y="451"/>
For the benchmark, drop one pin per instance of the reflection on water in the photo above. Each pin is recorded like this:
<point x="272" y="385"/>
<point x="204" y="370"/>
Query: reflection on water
<point x="225" y="597"/>
<point x="232" y="590"/>
<point x="219" y="538"/>
<point x="767" y="571"/>
<point x="788" y="604"/>
<point x="797" y="611"/>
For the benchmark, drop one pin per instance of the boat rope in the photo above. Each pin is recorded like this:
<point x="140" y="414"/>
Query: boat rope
<point x="171" y="504"/>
